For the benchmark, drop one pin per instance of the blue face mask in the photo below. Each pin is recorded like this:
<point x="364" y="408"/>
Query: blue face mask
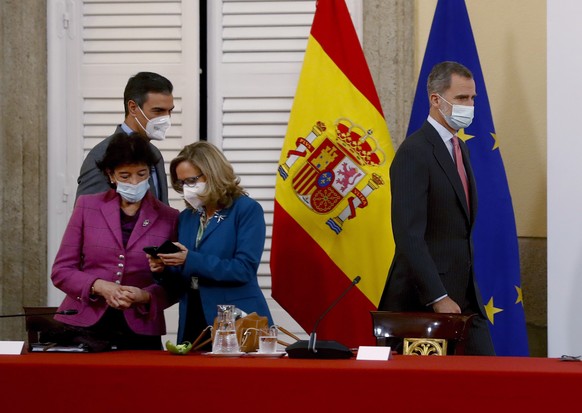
<point x="133" y="193"/>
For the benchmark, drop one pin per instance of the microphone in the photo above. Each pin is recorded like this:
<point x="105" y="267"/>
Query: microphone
<point x="307" y="349"/>
<point x="62" y="312"/>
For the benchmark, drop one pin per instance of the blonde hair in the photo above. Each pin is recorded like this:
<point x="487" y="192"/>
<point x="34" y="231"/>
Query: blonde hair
<point x="222" y="185"/>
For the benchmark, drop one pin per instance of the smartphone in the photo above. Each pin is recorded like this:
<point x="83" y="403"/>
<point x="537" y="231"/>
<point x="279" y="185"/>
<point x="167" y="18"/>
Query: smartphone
<point x="168" y="247"/>
<point x="151" y="251"/>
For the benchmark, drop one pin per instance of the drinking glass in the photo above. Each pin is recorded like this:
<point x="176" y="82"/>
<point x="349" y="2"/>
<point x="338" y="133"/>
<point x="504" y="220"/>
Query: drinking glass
<point x="268" y="340"/>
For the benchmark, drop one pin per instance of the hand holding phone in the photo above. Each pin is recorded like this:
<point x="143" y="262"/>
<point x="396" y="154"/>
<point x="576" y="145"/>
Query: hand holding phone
<point x="151" y="251"/>
<point x="168" y="247"/>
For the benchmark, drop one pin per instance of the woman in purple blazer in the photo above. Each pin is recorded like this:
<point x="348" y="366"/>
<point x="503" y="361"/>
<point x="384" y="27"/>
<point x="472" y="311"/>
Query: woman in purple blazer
<point x="222" y="236"/>
<point x="101" y="265"/>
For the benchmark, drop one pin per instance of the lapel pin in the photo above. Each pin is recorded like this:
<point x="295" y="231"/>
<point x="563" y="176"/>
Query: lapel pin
<point x="146" y="223"/>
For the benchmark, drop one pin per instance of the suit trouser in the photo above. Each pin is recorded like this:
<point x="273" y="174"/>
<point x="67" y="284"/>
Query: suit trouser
<point x="479" y="340"/>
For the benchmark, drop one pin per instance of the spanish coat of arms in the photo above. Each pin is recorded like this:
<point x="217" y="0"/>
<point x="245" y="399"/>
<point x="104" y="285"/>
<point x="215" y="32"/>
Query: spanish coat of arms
<point x="334" y="171"/>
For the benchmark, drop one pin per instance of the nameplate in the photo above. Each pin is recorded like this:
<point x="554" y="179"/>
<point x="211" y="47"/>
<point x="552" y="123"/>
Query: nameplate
<point x="373" y="353"/>
<point x="11" y="347"/>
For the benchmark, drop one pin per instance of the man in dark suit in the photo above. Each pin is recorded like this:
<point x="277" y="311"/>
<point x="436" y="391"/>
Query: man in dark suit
<point x="148" y="103"/>
<point x="433" y="211"/>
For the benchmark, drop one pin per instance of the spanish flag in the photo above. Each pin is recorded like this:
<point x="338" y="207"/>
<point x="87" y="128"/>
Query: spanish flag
<point x="332" y="196"/>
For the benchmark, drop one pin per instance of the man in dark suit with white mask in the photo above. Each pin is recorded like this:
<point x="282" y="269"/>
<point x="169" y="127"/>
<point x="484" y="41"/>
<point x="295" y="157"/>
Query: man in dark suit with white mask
<point x="148" y="103"/>
<point x="434" y="204"/>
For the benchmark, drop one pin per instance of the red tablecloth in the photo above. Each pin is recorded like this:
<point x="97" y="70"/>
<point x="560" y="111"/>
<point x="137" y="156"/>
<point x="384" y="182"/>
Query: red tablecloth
<point x="149" y="381"/>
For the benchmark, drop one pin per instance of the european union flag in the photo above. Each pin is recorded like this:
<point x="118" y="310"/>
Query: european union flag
<point x="496" y="259"/>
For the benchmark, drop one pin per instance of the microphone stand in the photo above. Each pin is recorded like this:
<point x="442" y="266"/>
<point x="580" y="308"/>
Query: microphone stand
<point x="305" y="349"/>
<point x="313" y="335"/>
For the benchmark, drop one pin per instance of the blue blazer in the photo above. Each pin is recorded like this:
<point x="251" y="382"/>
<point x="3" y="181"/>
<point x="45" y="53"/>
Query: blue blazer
<point x="225" y="261"/>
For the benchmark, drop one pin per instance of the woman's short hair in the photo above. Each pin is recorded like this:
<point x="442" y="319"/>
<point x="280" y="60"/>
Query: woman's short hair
<point x="126" y="149"/>
<point x="222" y="185"/>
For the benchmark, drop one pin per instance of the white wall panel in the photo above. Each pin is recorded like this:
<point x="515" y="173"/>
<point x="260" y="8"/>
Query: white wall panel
<point x="564" y="176"/>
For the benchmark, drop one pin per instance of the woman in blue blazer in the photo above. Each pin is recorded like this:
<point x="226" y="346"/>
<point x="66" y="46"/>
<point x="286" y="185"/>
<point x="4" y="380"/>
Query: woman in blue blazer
<point x="221" y="235"/>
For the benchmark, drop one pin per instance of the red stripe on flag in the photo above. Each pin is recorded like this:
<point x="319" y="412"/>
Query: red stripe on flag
<point x="333" y="29"/>
<point x="305" y="180"/>
<point x="315" y="282"/>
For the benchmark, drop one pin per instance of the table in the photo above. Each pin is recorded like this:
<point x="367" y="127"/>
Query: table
<point x="152" y="381"/>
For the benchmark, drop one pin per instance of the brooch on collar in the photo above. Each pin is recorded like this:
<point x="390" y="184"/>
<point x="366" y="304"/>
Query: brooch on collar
<point x="219" y="217"/>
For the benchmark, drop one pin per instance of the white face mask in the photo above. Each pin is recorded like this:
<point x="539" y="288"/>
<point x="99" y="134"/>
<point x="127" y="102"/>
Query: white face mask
<point x="133" y="193"/>
<point x="192" y="195"/>
<point x="461" y="115"/>
<point x="156" y="128"/>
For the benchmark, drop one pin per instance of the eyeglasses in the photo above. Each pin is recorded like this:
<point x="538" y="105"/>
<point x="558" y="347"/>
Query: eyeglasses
<point x="189" y="182"/>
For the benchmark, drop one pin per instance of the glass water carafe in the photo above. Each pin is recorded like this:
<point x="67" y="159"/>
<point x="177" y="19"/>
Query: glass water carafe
<point x="225" y="340"/>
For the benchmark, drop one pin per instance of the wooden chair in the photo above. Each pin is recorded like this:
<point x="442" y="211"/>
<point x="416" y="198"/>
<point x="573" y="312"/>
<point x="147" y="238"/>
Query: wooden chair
<point x="421" y="333"/>
<point x="41" y="325"/>
<point x="47" y="334"/>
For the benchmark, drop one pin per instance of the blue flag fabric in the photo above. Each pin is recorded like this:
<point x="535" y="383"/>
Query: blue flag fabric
<point x="496" y="259"/>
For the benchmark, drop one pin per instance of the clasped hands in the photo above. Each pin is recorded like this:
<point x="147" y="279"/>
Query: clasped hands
<point x="120" y="296"/>
<point x="177" y="258"/>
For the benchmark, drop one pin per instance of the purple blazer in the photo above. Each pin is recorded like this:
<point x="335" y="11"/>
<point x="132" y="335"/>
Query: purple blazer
<point x="92" y="248"/>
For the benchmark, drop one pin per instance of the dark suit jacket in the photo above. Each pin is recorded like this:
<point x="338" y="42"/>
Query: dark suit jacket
<point x="92" y="248"/>
<point x="92" y="181"/>
<point x="432" y="227"/>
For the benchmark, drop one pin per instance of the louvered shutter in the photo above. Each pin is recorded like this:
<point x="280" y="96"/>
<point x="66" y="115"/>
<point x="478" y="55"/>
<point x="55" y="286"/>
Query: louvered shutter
<point x="256" y="51"/>
<point x="94" y="47"/>
<point x="122" y="38"/>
